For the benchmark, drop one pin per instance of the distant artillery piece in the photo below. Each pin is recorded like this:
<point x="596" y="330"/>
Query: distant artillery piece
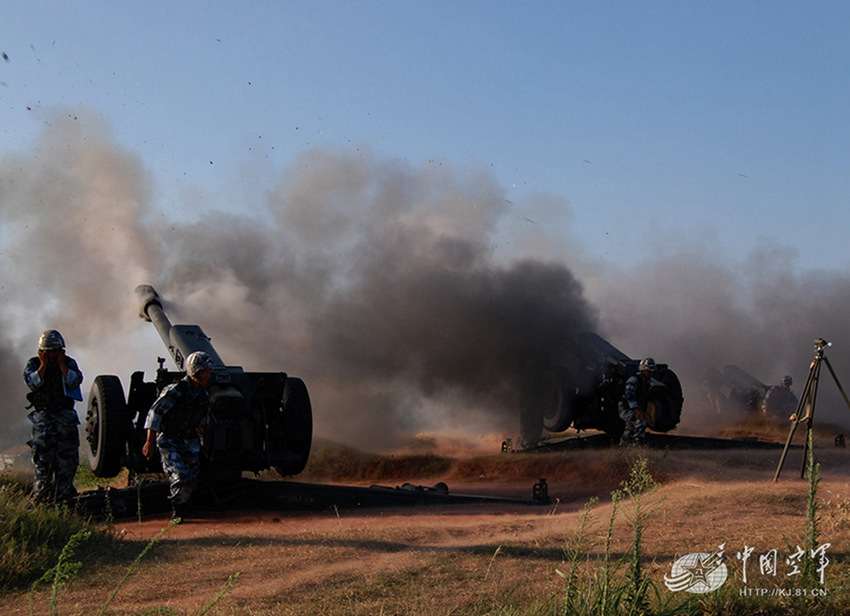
<point x="257" y="420"/>
<point x="734" y="392"/>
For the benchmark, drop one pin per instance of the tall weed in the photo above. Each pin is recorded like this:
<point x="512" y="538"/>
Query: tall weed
<point x="600" y="585"/>
<point x="64" y="570"/>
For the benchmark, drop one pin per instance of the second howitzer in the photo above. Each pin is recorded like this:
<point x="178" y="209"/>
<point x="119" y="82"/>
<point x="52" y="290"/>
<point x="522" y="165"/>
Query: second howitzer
<point x="257" y="420"/>
<point x="581" y="386"/>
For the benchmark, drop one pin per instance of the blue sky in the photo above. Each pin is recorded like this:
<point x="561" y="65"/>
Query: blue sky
<point x="687" y="161"/>
<point x="659" y="124"/>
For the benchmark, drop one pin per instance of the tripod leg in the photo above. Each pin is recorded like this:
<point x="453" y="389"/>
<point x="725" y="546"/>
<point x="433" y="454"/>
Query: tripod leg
<point x="810" y="419"/>
<point x="804" y="400"/>
<point x="835" y="378"/>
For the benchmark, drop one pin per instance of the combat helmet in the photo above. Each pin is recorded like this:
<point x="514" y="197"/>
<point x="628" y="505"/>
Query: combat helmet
<point x="198" y="361"/>
<point x="51" y="340"/>
<point x="647" y="363"/>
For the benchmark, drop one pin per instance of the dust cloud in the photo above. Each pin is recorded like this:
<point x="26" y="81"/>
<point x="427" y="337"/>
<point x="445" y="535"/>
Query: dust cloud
<point x="408" y="298"/>
<point x="762" y="315"/>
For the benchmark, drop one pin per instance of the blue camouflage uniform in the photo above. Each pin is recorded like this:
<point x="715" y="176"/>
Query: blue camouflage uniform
<point x="175" y="416"/>
<point x="635" y="398"/>
<point x="55" y="440"/>
<point x="779" y="402"/>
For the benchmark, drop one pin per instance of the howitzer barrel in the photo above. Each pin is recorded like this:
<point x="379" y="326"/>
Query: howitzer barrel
<point x="180" y="340"/>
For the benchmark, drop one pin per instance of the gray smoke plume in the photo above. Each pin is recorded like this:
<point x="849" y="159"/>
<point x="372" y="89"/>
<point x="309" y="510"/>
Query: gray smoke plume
<point x="762" y="315"/>
<point x="377" y="283"/>
<point x="408" y="298"/>
<point x="72" y="239"/>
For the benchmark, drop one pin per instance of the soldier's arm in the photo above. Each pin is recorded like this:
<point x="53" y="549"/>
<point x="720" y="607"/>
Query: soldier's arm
<point x="71" y="372"/>
<point x="160" y="406"/>
<point x="630" y="393"/>
<point x="148" y="447"/>
<point x="630" y="396"/>
<point x="168" y="397"/>
<point x="33" y="372"/>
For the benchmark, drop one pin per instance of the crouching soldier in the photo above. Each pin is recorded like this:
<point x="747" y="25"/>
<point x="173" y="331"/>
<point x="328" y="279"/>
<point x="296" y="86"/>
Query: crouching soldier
<point x="54" y="381"/>
<point x="635" y="402"/>
<point x="174" y="423"/>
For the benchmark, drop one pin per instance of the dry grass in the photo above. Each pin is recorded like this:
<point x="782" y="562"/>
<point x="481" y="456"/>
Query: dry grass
<point x="483" y="559"/>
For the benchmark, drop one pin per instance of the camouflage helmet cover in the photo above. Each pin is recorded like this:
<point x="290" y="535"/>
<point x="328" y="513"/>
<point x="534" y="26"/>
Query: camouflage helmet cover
<point x="647" y="363"/>
<point x="51" y="340"/>
<point x="198" y="361"/>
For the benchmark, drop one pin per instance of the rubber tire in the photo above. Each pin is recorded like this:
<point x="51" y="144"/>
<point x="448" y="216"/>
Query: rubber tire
<point x="295" y="424"/>
<point x="555" y="401"/>
<point x="106" y="423"/>
<point x="530" y="414"/>
<point x="666" y="410"/>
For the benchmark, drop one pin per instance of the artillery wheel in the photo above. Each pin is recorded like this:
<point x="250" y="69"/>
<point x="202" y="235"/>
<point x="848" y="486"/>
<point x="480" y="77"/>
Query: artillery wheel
<point x="106" y="427"/>
<point x="296" y="425"/>
<point x="557" y="405"/>
<point x="530" y="414"/>
<point x="665" y="410"/>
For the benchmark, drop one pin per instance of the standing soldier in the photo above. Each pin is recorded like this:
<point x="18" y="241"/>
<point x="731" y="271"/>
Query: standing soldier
<point x="780" y="401"/>
<point x="54" y="380"/>
<point x="174" y="423"/>
<point x="634" y="403"/>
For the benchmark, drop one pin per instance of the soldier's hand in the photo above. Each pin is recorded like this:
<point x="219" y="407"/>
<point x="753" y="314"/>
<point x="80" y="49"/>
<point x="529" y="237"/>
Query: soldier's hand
<point x="150" y="445"/>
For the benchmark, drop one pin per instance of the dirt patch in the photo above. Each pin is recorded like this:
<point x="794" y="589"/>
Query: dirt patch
<point x="473" y="558"/>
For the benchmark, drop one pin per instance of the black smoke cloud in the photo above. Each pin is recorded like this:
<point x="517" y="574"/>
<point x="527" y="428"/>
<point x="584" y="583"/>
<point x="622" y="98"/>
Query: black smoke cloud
<point x="379" y="285"/>
<point x="407" y="298"/>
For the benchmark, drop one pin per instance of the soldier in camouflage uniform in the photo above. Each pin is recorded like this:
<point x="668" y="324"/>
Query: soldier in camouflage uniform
<point x="634" y="403"/>
<point x="780" y="402"/>
<point x="54" y="380"/>
<point x="173" y="424"/>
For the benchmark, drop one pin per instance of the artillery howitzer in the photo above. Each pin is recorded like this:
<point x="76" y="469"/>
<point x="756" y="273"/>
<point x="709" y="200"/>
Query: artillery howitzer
<point x="582" y="386"/>
<point x="734" y="392"/>
<point x="257" y="420"/>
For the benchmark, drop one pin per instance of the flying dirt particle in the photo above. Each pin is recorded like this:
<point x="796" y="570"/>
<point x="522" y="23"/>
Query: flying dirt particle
<point x="5" y="56"/>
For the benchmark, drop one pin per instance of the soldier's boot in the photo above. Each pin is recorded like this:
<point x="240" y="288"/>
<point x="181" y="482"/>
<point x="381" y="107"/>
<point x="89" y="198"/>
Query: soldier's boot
<point x="178" y="513"/>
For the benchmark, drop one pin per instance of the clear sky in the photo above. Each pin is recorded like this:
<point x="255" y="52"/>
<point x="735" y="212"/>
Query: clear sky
<point x="657" y="123"/>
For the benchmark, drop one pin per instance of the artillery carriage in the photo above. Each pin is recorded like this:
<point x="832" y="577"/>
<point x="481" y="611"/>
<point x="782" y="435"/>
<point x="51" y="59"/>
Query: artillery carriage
<point x="257" y="420"/>
<point x="582" y="386"/>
